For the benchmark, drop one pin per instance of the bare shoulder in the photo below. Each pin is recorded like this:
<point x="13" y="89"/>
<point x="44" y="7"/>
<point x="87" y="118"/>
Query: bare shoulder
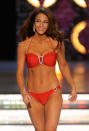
<point x="61" y="49"/>
<point x="54" y="42"/>
<point x="22" y="46"/>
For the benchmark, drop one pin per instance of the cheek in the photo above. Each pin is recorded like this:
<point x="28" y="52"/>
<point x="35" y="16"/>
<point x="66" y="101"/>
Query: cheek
<point x="36" y="25"/>
<point x="46" y="26"/>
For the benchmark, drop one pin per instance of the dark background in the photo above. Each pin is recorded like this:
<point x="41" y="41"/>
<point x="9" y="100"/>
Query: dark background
<point x="14" y="12"/>
<point x="8" y="30"/>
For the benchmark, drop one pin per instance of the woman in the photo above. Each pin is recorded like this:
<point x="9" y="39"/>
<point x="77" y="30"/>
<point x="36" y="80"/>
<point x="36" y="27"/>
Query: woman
<point x="42" y="44"/>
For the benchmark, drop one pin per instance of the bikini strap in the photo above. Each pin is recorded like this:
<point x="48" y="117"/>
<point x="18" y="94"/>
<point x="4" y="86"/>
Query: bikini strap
<point x="51" y="43"/>
<point x="29" y="45"/>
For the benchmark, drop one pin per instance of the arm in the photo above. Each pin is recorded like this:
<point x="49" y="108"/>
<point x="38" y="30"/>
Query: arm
<point x="20" y="67"/>
<point x="20" y="71"/>
<point x="64" y="68"/>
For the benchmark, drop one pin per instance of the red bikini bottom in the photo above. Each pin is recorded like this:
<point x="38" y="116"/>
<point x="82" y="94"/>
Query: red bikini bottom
<point x="43" y="97"/>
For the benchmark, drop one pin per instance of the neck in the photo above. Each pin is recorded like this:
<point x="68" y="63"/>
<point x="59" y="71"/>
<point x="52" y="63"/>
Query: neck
<point x="43" y="36"/>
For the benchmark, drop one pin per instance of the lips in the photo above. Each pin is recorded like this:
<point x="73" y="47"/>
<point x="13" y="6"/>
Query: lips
<point x="41" y="29"/>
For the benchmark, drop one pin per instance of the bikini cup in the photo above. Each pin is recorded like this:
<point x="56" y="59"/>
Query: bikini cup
<point x="48" y="59"/>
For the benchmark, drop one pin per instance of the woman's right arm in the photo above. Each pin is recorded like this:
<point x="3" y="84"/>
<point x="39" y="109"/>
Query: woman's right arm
<point x="20" y="67"/>
<point x="20" y="72"/>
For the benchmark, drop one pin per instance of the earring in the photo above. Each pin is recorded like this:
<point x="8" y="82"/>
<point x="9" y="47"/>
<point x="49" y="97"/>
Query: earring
<point x="33" y="28"/>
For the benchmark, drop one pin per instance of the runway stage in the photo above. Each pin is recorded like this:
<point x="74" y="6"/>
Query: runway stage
<point x="13" y="112"/>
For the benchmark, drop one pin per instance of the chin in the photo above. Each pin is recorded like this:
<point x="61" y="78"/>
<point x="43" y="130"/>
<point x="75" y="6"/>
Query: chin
<point x="41" y="33"/>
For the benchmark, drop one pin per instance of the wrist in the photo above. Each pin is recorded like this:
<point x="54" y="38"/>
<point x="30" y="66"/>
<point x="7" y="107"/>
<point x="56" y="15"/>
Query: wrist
<point x="73" y="88"/>
<point x="23" y="91"/>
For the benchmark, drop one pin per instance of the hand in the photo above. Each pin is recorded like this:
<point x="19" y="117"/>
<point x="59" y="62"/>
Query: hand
<point x="73" y="95"/>
<point x="26" y="98"/>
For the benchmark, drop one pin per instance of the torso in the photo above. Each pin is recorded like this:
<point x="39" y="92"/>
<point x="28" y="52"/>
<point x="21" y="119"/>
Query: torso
<point x="41" y="77"/>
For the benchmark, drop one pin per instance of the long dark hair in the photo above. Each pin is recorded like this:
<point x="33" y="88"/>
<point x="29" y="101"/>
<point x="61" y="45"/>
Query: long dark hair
<point x="26" y="29"/>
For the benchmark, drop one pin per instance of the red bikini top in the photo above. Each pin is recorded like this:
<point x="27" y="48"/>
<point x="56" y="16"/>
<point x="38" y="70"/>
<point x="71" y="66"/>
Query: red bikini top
<point x="48" y="59"/>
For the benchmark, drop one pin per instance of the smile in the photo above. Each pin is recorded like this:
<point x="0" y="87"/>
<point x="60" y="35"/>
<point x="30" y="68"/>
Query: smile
<point x="41" y="29"/>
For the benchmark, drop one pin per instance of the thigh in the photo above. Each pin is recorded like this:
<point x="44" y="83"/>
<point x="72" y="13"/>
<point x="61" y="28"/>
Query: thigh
<point x="36" y="113"/>
<point x="53" y="109"/>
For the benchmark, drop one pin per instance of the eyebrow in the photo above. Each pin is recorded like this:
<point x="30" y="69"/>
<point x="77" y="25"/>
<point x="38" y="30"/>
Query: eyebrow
<point x="40" y="19"/>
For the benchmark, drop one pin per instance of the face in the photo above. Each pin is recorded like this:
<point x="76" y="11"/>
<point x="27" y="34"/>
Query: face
<point x="41" y="23"/>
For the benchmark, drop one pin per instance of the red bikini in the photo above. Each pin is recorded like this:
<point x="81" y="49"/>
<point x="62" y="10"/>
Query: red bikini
<point x="48" y="59"/>
<point x="43" y="97"/>
<point x="33" y="60"/>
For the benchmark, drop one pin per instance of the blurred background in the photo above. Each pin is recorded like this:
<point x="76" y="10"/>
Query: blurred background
<point x="72" y="16"/>
<point x="73" y="19"/>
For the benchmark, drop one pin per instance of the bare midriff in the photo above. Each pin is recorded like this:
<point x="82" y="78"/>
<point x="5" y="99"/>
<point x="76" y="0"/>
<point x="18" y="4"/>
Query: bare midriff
<point x="41" y="78"/>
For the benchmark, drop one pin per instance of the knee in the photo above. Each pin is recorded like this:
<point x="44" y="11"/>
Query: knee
<point x="37" y="128"/>
<point x="50" y="129"/>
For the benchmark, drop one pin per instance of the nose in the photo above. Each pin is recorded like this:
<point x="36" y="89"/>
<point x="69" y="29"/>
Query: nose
<point x="41" y="23"/>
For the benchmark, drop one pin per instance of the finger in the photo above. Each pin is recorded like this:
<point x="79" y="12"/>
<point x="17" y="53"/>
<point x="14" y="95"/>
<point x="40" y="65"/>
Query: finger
<point x="29" y="105"/>
<point x="73" y="98"/>
<point x="70" y="99"/>
<point x="28" y="97"/>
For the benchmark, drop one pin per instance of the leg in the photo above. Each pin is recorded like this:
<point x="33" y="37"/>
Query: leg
<point x="52" y="110"/>
<point x="36" y="113"/>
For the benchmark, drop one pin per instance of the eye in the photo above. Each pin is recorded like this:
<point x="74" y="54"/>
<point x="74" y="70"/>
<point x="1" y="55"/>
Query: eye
<point x="45" y="21"/>
<point x="37" y="20"/>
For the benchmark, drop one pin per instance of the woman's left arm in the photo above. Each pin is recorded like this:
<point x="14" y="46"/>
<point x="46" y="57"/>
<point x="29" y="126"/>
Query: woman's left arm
<point x="64" y="68"/>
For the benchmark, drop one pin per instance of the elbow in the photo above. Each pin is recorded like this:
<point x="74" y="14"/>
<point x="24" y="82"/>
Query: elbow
<point x="19" y="75"/>
<point x="63" y="66"/>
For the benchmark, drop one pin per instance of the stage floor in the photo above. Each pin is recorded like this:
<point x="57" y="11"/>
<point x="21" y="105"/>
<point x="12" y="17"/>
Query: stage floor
<point x="30" y="128"/>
